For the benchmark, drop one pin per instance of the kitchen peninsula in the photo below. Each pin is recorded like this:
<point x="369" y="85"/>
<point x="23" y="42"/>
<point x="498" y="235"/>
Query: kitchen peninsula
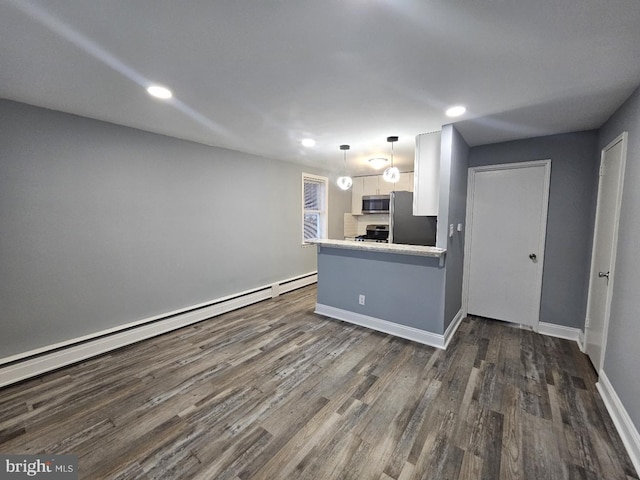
<point x="392" y="288"/>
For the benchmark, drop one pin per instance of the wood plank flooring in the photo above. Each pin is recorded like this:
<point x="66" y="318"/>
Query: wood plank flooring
<point x="274" y="391"/>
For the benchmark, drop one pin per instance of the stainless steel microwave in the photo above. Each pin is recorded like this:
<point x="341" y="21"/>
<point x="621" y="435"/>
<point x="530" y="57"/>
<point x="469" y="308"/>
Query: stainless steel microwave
<point x="375" y="203"/>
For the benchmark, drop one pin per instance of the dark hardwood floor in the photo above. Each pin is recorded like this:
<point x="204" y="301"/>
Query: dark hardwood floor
<point x="274" y="391"/>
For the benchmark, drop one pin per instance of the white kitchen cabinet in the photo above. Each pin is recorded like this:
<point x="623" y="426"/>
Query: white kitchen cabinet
<point x="384" y="187"/>
<point x="376" y="185"/>
<point x="370" y="185"/>
<point x="404" y="183"/>
<point x="426" y="174"/>
<point x="356" y="195"/>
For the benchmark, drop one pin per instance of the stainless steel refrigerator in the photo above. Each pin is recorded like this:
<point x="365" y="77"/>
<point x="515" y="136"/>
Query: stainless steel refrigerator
<point x="404" y="227"/>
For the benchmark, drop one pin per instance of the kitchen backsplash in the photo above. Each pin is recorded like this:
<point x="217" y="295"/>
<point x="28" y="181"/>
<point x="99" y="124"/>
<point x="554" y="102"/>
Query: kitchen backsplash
<point x="357" y="224"/>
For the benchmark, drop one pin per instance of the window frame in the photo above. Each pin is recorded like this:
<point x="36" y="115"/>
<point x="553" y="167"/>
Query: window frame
<point x="323" y="212"/>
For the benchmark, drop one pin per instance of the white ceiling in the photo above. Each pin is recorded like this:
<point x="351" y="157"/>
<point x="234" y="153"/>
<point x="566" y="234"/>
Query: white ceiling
<point x="258" y="76"/>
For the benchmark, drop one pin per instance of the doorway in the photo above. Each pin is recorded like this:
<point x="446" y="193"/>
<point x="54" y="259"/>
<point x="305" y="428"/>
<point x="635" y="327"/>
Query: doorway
<point x="605" y="241"/>
<point x="504" y="249"/>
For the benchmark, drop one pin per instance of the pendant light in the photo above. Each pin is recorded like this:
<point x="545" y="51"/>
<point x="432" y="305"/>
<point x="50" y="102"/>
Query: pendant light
<point x="391" y="174"/>
<point x="345" y="182"/>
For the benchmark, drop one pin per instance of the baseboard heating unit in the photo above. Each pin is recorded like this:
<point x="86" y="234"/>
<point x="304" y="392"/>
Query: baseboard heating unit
<point x="36" y="362"/>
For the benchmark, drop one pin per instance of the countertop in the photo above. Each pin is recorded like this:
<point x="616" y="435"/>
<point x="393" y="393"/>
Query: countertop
<point x="418" y="250"/>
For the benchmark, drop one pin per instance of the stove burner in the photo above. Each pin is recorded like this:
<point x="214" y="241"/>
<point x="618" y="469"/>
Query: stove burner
<point x="368" y="238"/>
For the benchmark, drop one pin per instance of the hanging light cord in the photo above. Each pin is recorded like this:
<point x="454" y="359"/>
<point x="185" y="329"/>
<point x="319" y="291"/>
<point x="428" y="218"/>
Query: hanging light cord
<point x="392" y="140"/>
<point x="392" y="154"/>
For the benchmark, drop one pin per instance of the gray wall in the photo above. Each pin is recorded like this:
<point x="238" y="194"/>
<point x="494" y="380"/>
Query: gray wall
<point x="622" y="356"/>
<point x="397" y="288"/>
<point x="574" y="164"/>
<point x="339" y="204"/>
<point x="102" y="225"/>
<point x="457" y="212"/>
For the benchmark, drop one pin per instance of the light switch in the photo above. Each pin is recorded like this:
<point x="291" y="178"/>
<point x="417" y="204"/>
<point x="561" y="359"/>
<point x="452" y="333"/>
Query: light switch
<point x="451" y="230"/>
<point x="459" y="227"/>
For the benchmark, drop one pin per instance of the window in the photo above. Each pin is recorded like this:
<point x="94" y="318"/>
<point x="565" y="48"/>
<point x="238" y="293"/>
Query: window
<point x="314" y="207"/>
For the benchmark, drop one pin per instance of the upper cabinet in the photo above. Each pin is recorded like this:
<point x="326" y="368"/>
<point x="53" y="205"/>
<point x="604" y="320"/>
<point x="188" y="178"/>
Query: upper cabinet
<point x="370" y="185"/>
<point x="426" y="174"/>
<point x="404" y="183"/>
<point x="376" y="185"/>
<point x="357" y="190"/>
<point x="384" y="187"/>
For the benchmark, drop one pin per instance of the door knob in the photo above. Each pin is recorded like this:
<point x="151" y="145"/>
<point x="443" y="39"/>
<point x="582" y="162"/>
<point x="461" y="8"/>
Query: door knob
<point x="532" y="256"/>
<point x="603" y="274"/>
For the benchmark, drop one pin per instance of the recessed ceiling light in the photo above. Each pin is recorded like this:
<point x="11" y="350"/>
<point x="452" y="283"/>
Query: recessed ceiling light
<point x="455" y="111"/>
<point x="159" y="92"/>
<point x="308" y="142"/>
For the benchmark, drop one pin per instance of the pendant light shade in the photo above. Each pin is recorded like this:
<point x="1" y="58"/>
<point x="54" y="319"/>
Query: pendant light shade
<point x="345" y="181"/>
<point x="391" y="174"/>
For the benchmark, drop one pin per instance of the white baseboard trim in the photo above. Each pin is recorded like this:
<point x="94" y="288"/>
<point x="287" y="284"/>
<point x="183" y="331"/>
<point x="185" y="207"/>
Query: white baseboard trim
<point x="402" y="331"/>
<point x="452" y="328"/>
<point x="36" y="362"/>
<point x="581" y="343"/>
<point x="295" y="283"/>
<point x="560" y="331"/>
<point x="622" y="421"/>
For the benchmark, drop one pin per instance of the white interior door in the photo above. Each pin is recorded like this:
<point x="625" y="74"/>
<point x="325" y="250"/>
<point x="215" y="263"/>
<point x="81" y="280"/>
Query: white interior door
<point x="605" y="236"/>
<point x="504" y="251"/>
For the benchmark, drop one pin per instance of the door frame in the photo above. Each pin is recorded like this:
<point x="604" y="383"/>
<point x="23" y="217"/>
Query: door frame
<point x="623" y="137"/>
<point x="472" y="171"/>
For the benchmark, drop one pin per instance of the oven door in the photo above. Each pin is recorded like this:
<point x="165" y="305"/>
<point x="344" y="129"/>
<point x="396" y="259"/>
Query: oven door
<point x="375" y="204"/>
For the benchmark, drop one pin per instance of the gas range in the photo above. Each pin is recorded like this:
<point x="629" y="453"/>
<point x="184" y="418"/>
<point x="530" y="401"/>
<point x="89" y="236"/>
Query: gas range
<point x="365" y="238"/>
<point x="375" y="233"/>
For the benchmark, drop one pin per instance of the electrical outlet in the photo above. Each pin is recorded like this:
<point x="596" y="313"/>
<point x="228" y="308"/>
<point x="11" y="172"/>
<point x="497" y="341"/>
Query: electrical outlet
<point x="361" y="299"/>
<point x="451" y="230"/>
